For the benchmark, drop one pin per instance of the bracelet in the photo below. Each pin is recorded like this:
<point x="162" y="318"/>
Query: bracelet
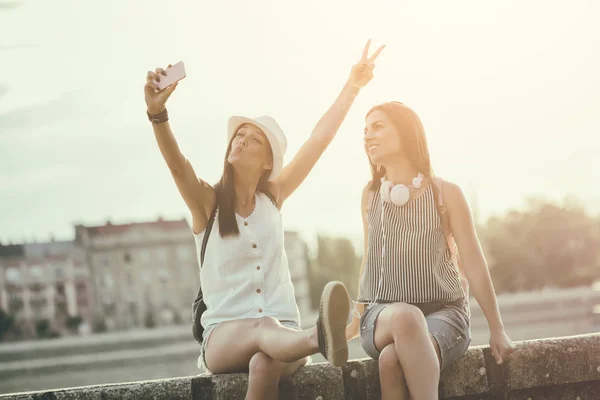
<point x="159" y="118"/>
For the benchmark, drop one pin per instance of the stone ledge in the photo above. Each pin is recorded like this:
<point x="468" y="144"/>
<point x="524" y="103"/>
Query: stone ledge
<point x="547" y="369"/>
<point x="161" y="389"/>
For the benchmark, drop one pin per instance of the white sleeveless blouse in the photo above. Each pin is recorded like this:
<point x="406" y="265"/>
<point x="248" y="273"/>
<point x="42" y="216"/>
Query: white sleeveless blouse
<point x="247" y="276"/>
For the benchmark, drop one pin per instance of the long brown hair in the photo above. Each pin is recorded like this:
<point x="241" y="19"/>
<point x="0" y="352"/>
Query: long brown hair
<point x="225" y="196"/>
<point x="414" y="142"/>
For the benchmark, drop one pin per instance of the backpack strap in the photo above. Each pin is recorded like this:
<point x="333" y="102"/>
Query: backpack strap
<point x="438" y="188"/>
<point x="209" y="226"/>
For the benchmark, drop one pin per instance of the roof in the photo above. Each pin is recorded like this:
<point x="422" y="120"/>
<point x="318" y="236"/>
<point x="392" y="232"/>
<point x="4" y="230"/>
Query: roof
<point x="11" y="250"/>
<point x="110" y="229"/>
<point x="53" y="250"/>
<point x="41" y="252"/>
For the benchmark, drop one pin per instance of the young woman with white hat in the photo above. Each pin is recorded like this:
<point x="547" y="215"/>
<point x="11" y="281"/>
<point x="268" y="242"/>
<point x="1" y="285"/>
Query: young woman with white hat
<point x="251" y="322"/>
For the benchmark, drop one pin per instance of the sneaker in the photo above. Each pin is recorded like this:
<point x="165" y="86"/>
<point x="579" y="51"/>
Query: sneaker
<point x="331" y="325"/>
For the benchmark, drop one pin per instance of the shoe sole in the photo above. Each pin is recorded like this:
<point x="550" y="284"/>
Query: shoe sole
<point x="335" y="308"/>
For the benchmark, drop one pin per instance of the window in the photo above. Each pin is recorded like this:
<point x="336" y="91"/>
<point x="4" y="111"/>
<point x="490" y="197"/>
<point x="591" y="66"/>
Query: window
<point x="15" y="301"/>
<point x="13" y="274"/>
<point x="108" y="280"/>
<point x="162" y="254"/>
<point x="129" y="275"/>
<point x="145" y="256"/>
<point x="38" y="311"/>
<point x="163" y="274"/>
<point x="103" y="260"/>
<point x="82" y="303"/>
<point x="81" y="295"/>
<point x="36" y="272"/>
<point x="107" y="300"/>
<point x="59" y="271"/>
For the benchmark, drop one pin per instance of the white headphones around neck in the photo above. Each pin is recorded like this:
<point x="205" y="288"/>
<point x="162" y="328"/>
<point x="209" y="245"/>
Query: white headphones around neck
<point x="398" y="194"/>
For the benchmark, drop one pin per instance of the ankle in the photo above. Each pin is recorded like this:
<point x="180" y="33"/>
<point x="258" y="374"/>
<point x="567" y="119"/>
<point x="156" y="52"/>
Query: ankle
<point x="313" y="340"/>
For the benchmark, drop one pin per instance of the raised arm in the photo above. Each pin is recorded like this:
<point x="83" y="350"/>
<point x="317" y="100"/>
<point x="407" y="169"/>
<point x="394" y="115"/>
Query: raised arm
<point x="197" y="194"/>
<point x="297" y="170"/>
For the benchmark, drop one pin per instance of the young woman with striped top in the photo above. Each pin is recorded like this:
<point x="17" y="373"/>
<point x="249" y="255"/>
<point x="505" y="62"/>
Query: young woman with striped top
<point x="413" y="304"/>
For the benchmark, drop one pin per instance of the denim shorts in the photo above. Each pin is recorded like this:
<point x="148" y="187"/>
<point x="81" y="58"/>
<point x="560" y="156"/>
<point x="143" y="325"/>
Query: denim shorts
<point x="448" y="323"/>
<point x="209" y="329"/>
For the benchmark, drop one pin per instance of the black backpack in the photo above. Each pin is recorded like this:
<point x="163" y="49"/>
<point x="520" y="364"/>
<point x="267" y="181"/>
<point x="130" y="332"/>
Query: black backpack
<point x="199" y="306"/>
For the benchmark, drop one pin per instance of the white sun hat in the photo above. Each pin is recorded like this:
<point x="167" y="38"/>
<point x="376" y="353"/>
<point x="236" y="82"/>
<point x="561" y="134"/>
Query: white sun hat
<point x="272" y="131"/>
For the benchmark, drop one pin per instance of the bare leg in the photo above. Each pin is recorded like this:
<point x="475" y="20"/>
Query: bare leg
<point x="391" y="375"/>
<point x="436" y="347"/>
<point x="265" y="374"/>
<point x="232" y="344"/>
<point x="404" y="326"/>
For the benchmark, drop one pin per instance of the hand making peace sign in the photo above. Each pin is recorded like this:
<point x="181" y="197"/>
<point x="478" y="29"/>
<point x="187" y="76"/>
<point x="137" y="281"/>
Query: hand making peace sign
<point x="362" y="72"/>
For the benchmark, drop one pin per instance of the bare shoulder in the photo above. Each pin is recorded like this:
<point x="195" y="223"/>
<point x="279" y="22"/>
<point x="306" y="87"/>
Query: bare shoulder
<point x="452" y="189"/>
<point x="454" y="197"/>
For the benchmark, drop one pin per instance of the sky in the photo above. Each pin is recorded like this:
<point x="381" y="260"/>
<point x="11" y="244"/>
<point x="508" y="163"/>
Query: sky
<point x="508" y="93"/>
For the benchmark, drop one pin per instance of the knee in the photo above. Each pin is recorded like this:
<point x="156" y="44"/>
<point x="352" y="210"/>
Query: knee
<point x="388" y="360"/>
<point x="266" y="322"/>
<point x="290" y="368"/>
<point x="262" y="366"/>
<point x="407" y="320"/>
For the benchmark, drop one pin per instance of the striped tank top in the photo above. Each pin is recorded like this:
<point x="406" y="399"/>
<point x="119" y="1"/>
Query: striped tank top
<point x="416" y="266"/>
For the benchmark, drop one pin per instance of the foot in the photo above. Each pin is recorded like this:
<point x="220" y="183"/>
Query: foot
<point x="331" y="325"/>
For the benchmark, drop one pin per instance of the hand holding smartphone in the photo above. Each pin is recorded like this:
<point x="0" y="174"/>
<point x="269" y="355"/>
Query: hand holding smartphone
<point x="173" y="74"/>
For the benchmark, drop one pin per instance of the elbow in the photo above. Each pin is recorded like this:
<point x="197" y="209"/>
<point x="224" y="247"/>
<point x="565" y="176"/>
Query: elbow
<point x="174" y="170"/>
<point x="322" y="141"/>
<point x="176" y="165"/>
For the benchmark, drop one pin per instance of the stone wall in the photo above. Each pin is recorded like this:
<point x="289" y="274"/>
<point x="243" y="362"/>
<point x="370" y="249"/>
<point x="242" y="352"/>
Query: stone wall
<point x="547" y="369"/>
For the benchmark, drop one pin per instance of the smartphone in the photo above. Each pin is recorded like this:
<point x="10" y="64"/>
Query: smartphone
<point x="174" y="73"/>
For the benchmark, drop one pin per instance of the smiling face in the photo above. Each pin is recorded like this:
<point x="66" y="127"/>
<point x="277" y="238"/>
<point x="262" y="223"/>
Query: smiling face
<point x="393" y="133"/>
<point x="250" y="149"/>
<point x="382" y="140"/>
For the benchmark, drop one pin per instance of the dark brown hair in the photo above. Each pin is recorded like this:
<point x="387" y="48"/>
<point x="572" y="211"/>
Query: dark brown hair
<point x="225" y="196"/>
<point x="414" y="142"/>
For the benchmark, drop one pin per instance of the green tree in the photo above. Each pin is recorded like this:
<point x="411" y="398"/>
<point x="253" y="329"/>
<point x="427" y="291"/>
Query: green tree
<point x="544" y="245"/>
<point x="7" y="323"/>
<point x="335" y="260"/>
<point x="44" y="331"/>
<point x="149" y="321"/>
<point x="99" y="324"/>
<point x="72" y="323"/>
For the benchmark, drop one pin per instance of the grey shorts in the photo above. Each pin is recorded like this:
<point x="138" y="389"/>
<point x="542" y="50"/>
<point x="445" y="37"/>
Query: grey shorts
<point x="448" y="323"/>
<point x="209" y="329"/>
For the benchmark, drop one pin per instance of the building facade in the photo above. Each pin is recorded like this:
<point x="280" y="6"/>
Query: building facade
<point x="45" y="282"/>
<point x="117" y="276"/>
<point x="143" y="274"/>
